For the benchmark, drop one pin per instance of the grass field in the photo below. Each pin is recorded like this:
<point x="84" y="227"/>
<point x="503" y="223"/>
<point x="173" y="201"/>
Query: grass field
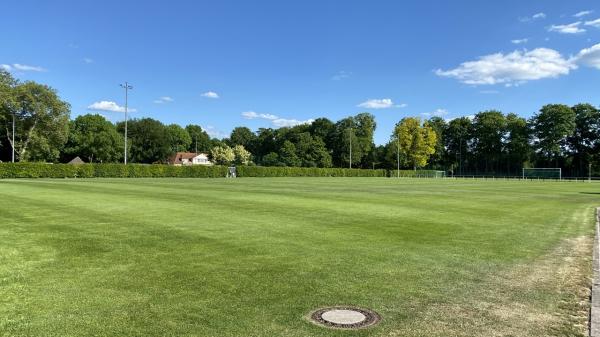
<point x="254" y="256"/>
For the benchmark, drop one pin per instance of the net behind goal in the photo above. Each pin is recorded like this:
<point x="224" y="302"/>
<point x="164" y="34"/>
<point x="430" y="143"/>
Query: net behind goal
<point x="542" y="173"/>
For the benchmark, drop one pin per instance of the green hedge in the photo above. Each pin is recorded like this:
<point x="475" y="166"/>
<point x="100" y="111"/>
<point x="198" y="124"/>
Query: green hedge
<point x="417" y="173"/>
<point x="43" y="170"/>
<point x="261" y="171"/>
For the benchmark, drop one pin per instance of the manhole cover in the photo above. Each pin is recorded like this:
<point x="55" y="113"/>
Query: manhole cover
<point x="345" y="317"/>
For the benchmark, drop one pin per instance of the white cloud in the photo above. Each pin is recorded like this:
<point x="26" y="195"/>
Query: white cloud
<point x="254" y="115"/>
<point x="282" y="122"/>
<point x="210" y="94"/>
<point x="583" y="13"/>
<point x="511" y="69"/>
<point x="277" y="121"/>
<point x="383" y="103"/>
<point x="537" y="16"/>
<point x="519" y="41"/>
<point x="163" y="99"/>
<point x="436" y="113"/>
<point x="108" y="106"/>
<point x="593" y="23"/>
<point x="341" y="75"/>
<point x="589" y="56"/>
<point x="88" y="60"/>
<point x="571" y="28"/>
<point x="213" y="132"/>
<point x="21" y="67"/>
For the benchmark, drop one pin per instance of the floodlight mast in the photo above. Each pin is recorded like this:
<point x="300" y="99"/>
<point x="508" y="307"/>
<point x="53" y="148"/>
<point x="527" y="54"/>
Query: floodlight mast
<point x="127" y="87"/>
<point x="398" y="156"/>
<point x="350" y="140"/>
<point x="13" y="137"/>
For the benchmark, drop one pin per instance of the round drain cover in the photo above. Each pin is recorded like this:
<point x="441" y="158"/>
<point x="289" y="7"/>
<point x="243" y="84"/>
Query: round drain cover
<point x="345" y="317"/>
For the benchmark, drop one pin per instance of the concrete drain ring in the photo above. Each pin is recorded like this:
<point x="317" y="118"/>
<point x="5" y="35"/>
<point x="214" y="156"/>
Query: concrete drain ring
<point x="345" y="317"/>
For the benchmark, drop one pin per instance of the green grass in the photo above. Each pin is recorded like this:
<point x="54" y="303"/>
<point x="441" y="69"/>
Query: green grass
<point x="253" y="256"/>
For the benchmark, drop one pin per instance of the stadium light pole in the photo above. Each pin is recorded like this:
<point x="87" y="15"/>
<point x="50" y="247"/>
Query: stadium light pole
<point x="590" y="172"/>
<point x="13" y="137"/>
<point x="350" y="141"/>
<point x="127" y="87"/>
<point x="398" y="156"/>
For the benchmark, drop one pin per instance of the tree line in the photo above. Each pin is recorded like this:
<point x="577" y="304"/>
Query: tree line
<point x="490" y="142"/>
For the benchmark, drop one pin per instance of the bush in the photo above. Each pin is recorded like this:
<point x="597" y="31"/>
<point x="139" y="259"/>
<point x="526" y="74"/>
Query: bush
<point x="261" y="171"/>
<point x="43" y="170"/>
<point x="417" y="173"/>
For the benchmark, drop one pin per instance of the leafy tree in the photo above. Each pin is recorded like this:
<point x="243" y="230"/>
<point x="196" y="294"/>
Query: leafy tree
<point x="94" y="138"/>
<point x="517" y="144"/>
<point x="489" y="128"/>
<point x="200" y="140"/>
<point x="266" y="142"/>
<point x="148" y="140"/>
<point x="324" y="129"/>
<point x="42" y="119"/>
<point x="584" y="142"/>
<point x="271" y="159"/>
<point x="179" y="139"/>
<point x="457" y="141"/>
<point x="287" y="154"/>
<point x="417" y="142"/>
<point x="242" y="136"/>
<point x="242" y="156"/>
<point x="551" y="126"/>
<point x="439" y="125"/>
<point x="222" y="155"/>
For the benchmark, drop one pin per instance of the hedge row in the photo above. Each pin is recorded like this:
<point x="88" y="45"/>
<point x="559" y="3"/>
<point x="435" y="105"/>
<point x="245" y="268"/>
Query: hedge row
<point x="416" y="173"/>
<point x="261" y="171"/>
<point x="42" y="170"/>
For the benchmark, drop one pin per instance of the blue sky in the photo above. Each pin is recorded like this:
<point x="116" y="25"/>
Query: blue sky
<point x="223" y="64"/>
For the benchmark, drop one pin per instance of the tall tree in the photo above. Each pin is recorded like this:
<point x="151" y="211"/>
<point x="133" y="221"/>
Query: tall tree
<point x="222" y="155"/>
<point x="287" y="154"/>
<point x="517" y="146"/>
<point x="179" y="139"/>
<point x="148" y="140"/>
<point x="489" y="128"/>
<point x="242" y="156"/>
<point x="200" y="140"/>
<point x="324" y="129"/>
<point x="551" y="126"/>
<point x="458" y="140"/>
<point x="42" y="119"/>
<point x="417" y="142"/>
<point x="242" y="136"/>
<point x="95" y="139"/>
<point x="353" y="135"/>
<point x="439" y="125"/>
<point x="584" y="142"/>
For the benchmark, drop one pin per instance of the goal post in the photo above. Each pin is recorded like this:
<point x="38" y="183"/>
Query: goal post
<point x="542" y="173"/>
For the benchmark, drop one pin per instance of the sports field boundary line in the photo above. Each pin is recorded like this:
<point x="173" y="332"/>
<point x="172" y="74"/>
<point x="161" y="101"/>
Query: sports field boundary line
<point x="595" y="300"/>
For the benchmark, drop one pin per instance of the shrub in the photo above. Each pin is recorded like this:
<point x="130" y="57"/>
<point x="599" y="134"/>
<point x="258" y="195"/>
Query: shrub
<point x="43" y="170"/>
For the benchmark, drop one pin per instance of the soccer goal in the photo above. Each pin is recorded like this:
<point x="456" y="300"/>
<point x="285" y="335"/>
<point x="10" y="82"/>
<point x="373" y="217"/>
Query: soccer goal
<point x="542" y="173"/>
<point x="430" y="174"/>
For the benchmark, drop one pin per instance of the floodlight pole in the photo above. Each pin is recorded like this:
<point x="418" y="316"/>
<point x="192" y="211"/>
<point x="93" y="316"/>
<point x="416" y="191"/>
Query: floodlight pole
<point x="127" y="87"/>
<point x="398" y="156"/>
<point x="590" y="172"/>
<point x="350" y="140"/>
<point x="13" y="137"/>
